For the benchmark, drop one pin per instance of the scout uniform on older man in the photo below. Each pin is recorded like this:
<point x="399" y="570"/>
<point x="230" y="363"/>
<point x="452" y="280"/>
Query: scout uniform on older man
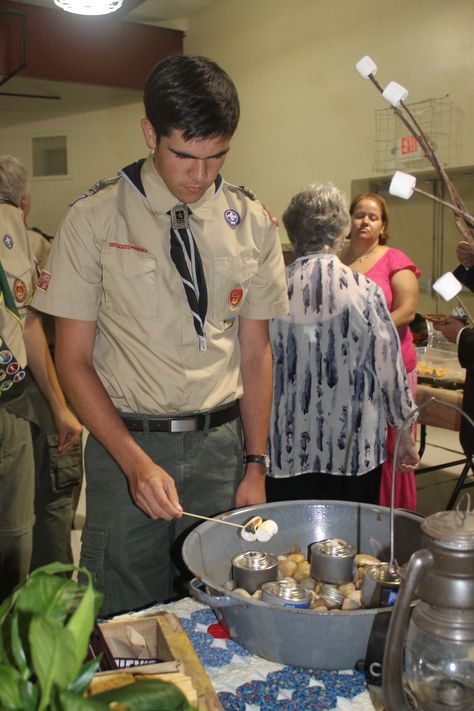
<point x="164" y="280"/>
<point x="21" y="339"/>
<point x="17" y="475"/>
<point x="57" y="462"/>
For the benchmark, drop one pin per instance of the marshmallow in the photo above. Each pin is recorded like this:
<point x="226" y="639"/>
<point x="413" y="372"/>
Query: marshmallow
<point x="402" y="185"/>
<point x="266" y="530"/>
<point x="248" y="532"/>
<point x="394" y="93"/>
<point x="366" y="66"/>
<point x="248" y="535"/>
<point x="447" y="286"/>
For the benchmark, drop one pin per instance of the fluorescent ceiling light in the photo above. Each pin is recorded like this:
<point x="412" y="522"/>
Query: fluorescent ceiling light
<point x="89" y="7"/>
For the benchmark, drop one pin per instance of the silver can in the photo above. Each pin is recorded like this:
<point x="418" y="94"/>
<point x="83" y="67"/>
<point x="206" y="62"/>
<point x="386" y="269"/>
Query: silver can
<point x="332" y="561"/>
<point x="253" y="568"/>
<point x="380" y="586"/>
<point x="332" y="597"/>
<point x="286" y="594"/>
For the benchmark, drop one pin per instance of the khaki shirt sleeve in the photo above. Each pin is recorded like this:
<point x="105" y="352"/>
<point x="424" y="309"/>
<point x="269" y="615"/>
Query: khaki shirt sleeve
<point x="71" y="283"/>
<point x="268" y="296"/>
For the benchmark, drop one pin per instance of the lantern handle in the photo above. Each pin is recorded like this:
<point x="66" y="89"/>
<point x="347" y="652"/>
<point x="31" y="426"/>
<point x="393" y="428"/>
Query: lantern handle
<point x="463" y="512"/>
<point x="392" y="689"/>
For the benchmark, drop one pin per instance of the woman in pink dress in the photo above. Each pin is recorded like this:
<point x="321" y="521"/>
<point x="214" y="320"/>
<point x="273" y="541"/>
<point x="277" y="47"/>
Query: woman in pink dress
<point x="396" y="274"/>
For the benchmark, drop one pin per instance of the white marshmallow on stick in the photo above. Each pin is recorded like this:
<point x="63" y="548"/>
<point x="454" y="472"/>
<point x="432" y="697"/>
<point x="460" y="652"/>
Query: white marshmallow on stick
<point x="366" y="66"/>
<point x="402" y="185"/>
<point x="447" y="286"/>
<point x="266" y="530"/>
<point x="394" y="93"/>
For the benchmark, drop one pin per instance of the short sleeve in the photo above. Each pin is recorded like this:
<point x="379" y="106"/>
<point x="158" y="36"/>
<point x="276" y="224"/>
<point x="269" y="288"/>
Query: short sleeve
<point x="399" y="261"/>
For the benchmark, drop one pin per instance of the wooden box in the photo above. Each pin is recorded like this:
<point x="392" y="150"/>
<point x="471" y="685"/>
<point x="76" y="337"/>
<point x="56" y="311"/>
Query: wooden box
<point x="167" y="642"/>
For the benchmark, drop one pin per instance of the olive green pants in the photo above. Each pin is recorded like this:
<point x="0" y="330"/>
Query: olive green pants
<point x="17" y="486"/>
<point x="135" y="560"/>
<point x="57" y="477"/>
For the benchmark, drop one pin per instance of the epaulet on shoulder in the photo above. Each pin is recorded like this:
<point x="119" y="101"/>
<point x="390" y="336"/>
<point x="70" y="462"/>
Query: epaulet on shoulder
<point x="250" y="194"/>
<point x="100" y="185"/>
<point x="246" y="191"/>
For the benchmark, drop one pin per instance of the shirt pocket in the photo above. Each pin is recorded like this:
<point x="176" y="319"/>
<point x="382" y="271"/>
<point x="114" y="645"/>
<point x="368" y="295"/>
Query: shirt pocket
<point x="232" y="280"/>
<point x="130" y="282"/>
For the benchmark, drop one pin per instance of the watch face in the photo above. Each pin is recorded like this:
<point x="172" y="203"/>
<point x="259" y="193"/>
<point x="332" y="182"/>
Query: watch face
<point x="266" y="461"/>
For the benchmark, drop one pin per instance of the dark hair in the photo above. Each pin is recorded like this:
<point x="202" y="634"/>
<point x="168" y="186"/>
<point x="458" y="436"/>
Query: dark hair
<point x="316" y="218"/>
<point x="193" y="95"/>
<point x="383" y="239"/>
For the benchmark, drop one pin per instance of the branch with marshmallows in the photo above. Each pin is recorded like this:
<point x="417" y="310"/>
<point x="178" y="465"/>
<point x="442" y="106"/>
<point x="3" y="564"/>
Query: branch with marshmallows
<point x="403" y="185"/>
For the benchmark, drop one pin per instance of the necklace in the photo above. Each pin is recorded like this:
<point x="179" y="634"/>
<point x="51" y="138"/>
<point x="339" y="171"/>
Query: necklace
<point x="364" y="256"/>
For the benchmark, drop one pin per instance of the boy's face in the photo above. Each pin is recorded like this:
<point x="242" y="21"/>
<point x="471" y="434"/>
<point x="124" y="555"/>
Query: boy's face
<point x="188" y="168"/>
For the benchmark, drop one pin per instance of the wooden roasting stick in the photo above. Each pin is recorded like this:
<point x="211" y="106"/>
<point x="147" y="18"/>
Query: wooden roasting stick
<point x="214" y="520"/>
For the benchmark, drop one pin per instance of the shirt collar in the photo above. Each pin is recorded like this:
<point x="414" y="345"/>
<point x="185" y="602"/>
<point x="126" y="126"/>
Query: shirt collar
<point x="161" y="200"/>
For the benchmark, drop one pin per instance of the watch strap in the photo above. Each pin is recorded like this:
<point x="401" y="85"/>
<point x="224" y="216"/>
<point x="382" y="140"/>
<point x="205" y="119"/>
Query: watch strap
<point x="263" y="459"/>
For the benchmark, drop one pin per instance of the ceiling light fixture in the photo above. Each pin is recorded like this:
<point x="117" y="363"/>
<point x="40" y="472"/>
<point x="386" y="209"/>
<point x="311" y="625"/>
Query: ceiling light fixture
<point x="89" y="7"/>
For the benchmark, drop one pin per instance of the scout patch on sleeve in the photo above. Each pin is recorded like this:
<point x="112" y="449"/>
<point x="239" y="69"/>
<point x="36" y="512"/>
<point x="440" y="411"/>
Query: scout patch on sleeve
<point x="44" y="280"/>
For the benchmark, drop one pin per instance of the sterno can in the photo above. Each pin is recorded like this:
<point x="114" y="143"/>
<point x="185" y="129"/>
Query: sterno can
<point x="332" y="561"/>
<point x="286" y="594"/>
<point x="253" y="568"/>
<point x="380" y="586"/>
<point x="331" y="595"/>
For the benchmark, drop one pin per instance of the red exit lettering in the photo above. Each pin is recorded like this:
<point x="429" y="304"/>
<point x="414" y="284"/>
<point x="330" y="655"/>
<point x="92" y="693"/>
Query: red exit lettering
<point x="409" y="144"/>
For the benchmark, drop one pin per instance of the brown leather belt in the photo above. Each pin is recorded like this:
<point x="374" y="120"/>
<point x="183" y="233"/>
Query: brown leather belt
<point x="189" y="423"/>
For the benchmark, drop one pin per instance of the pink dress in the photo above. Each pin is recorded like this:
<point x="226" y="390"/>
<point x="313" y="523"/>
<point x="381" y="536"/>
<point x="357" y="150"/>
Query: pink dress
<point x="381" y="273"/>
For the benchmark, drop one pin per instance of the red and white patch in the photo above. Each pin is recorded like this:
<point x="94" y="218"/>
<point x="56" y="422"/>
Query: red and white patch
<point x="44" y="280"/>
<point x="19" y="288"/>
<point x="235" y="297"/>
<point x="118" y="245"/>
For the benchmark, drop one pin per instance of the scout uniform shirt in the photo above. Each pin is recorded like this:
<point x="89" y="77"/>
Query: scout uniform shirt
<point x="18" y="274"/>
<point x="110" y="263"/>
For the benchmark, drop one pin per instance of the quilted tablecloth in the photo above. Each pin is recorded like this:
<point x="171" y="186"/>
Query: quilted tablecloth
<point x="245" y="682"/>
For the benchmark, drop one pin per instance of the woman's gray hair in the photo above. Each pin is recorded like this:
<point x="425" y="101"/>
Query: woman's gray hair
<point x="317" y="217"/>
<point x="13" y="179"/>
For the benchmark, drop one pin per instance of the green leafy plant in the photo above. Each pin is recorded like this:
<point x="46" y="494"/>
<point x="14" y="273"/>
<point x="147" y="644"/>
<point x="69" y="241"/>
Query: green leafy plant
<point x="45" y="627"/>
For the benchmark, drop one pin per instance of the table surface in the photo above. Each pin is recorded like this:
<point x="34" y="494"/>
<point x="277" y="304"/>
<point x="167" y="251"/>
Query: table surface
<point x="245" y="682"/>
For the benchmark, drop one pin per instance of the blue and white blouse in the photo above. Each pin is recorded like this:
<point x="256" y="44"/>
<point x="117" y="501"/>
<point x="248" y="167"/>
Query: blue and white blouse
<point x="338" y="375"/>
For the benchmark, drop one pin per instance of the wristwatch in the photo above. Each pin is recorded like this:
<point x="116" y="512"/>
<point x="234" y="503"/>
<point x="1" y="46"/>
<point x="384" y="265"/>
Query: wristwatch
<point x="263" y="459"/>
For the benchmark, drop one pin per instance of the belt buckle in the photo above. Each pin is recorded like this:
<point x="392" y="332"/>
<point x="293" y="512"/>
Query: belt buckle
<point x="188" y="424"/>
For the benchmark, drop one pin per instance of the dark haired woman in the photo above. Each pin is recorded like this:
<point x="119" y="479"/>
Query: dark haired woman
<point x="397" y="276"/>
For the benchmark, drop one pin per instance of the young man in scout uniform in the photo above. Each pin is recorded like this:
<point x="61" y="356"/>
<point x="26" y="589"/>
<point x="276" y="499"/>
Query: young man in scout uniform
<point x="22" y="340"/>
<point x="163" y="282"/>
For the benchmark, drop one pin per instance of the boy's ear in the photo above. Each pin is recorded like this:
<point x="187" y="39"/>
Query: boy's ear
<point x="149" y="133"/>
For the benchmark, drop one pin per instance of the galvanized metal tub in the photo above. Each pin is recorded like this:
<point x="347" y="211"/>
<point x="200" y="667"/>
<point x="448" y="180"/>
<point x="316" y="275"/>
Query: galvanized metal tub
<point x="321" y="640"/>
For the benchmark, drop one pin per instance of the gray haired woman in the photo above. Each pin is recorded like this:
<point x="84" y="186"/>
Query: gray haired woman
<point x="338" y="372"/>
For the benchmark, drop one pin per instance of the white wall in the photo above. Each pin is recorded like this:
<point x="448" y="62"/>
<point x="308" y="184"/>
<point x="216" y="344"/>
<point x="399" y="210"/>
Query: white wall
<point x="100" y="142"/>
<point x="306" y="113"/>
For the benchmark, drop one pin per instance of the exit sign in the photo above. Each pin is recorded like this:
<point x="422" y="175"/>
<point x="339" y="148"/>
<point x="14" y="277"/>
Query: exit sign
<point x="409" y="146"/>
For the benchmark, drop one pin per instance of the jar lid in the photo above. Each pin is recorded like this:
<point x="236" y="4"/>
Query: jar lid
<point x="455" y="529"/>
<point x="334" y="547"/>
<point x="254" y="560"/>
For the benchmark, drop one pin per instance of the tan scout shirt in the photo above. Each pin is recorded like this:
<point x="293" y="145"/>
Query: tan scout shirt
<point x="110" y="263"/>
<point x="17" y="262"/>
